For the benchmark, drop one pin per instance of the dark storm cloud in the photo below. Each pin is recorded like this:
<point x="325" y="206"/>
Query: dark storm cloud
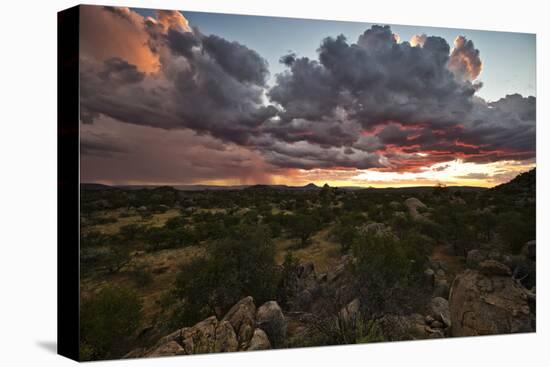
<point x="182" y="43"/>
<point x="306" y="156"/>
<point x="118" y="71"/>
<point x="244" y="64"/>
<point x="208" y="84"/>
<point x="127" y="153"/>
<point x="408" y="99"/>
<point x="375" y="80"/>
<point x="376" y="103"/>
<point x="100" y="145"/>
<point x="306" y="91"/>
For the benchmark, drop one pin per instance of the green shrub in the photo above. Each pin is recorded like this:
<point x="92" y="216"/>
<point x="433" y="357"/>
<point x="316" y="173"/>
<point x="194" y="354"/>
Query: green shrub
<point x="107" y="322"/>
<point x="302" y="226"/>
<point x="384" y="266"/>
<point x="237" y="266"/>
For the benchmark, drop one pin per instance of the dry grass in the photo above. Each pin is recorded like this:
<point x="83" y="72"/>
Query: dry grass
<point x="164" y="266"/>
<point x="157" y="220"/>
<point x="321" y="251"/>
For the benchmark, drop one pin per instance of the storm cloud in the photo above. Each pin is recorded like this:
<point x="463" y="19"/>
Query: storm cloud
<point x="205" y="83"/>
<point x="414" y="105"/>
<point x="374" y="103"/>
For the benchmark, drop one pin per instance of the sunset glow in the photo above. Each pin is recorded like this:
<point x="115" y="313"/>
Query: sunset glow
<point x="172" y="98"/>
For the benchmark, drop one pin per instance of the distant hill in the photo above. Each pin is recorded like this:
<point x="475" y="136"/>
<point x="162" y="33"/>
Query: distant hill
<point x="308" y="187"/>
<point x="524" y="183"/>
<point x="95" y="186"/>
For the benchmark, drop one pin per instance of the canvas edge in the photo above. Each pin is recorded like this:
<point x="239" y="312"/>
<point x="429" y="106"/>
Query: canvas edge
<point x="68" y="185"/>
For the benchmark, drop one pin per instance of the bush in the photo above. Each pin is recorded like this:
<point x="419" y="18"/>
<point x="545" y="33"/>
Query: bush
<point x="235" y="267"/>
<point x="302" y="226"/>
<point x="117" y="257"/>
<point x="286" y="288"/>
<point x="515" y="229"/>
<point x="107" y="322"/>
<point x="384" y="266"/>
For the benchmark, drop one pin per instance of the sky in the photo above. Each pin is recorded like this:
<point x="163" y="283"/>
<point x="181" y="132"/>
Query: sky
<point x="171" y="97"/>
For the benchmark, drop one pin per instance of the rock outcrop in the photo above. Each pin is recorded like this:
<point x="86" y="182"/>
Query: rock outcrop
<point x="242" y="318"/>
<point x="493" y="267"/>
<point x="409" y="327"/>
<point x="413" y="204"/>
<point x="376" y="229"/>
<point x="439" y="310"/>
<point x="270" y="319"/>
<point x="242" y="328"/>
<point x="259" y="341"/>
<point x="474" y="257"/>
<point x="489" y="302"/>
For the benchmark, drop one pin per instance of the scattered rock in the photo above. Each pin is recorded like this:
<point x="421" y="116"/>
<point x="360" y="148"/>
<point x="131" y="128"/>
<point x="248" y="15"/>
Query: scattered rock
<point x="429" y="319"/>
<point x="397" y="327"/>
<point x="412" y="205"/>
<point x="483" y="304"/>
<point x="474" y="257"/>
<point x="434" y="333"/>
<point x="259" y="341"/>
<point x="270" y="318"/>
<point x="350" y="313"/>
<point x="201" y="337"/>
<point x="493" y="267"/>
<point x="441" y="288"/>
<point x="242" y="318"/>
<point x="376" y="229"/>
<point x="304" y="270"/>
<point x="439" y="310"/>
<point x="169" y="349"/>
<point x="225" y="340"/>
<point x="429" y="276"/>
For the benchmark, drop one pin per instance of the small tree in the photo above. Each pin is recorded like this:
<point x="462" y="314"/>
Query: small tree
<point x="288" y="279"/>
<point x="303" y="226"/>
<point x="117" y="257"/>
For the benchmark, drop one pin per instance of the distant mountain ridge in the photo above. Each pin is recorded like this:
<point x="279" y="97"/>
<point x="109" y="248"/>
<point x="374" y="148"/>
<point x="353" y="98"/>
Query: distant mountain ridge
<point x="257" y="187"/>
<point x="524" y="182"/>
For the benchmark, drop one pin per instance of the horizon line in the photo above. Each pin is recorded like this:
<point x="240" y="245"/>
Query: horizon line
<point x="270" y="184"/>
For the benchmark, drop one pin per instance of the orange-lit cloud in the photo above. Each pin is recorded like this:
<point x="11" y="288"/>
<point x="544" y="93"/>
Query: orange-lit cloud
<point x="418" y="40"/>
<point x="465" y="61"/>
<point x="173" y="19"/>
<point x="377" y="112"/>
<point x="115" y="32"/>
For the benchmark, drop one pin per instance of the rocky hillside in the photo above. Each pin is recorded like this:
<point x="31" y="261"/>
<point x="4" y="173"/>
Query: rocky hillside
<point x="525" y="183"/>
<point x="263" y="268"/>
<point x="484" y="299"/>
